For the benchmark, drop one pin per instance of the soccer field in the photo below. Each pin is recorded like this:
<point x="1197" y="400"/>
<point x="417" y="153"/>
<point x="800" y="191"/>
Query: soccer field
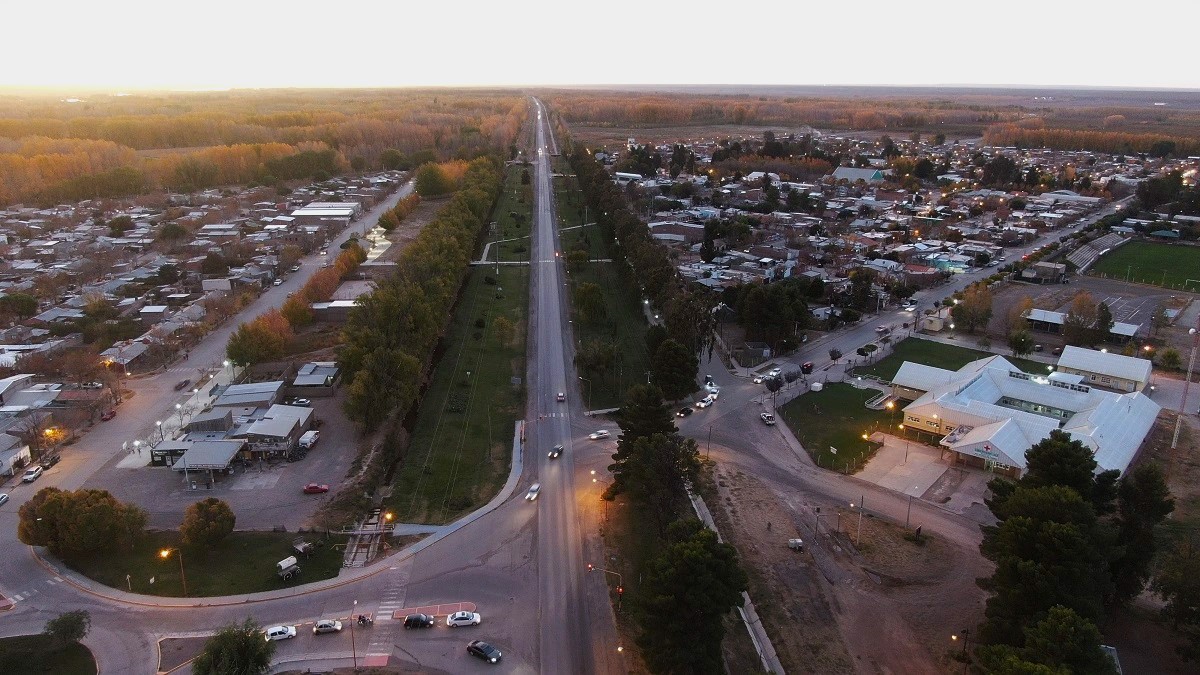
<point x="1168" y="265"/>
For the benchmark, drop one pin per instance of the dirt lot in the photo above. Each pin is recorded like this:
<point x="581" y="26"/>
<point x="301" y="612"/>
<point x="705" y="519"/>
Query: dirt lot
<point x="409" y="229"/>
<point x="885" y="606"/>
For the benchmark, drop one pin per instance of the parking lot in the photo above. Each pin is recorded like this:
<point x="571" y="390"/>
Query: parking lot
<point x="263" y="495"/>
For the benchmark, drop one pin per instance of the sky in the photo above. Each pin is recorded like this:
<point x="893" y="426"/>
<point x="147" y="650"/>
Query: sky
<point x="127" y="45"/>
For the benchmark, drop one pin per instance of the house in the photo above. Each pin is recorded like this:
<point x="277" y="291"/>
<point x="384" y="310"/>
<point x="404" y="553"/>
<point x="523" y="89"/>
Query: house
<point x="989" y="413"/>
<point x="1052" y="322"/>
<point x="257" y="394"/>
<point x="1102" y="369"/>
<point x="854" y="175"/>
<point x="1045" y="272"/>
<point x="276" y="432"/>
<point x="14" y="454"/>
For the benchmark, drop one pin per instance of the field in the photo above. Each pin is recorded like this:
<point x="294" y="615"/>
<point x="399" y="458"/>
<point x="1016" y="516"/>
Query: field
<point x="1168" y="265"/>
<point x="835" y="418"/>
<point x="938" y="355"/>
<point x="462" y="441"/>
<point x="243" y="563"/>
<point x="29" y="654"/>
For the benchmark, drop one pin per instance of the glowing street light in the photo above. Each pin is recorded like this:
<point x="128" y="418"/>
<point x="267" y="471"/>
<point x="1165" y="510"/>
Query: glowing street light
<point x="166" y="553"/>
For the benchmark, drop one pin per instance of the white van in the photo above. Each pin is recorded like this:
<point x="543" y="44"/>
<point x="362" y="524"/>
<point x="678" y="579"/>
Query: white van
<point x="309" y="439"/>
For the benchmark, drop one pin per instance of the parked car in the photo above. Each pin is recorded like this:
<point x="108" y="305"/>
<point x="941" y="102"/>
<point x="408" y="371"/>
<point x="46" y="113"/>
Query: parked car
<point x="555" y="452"/>
<point x="295" y="268"/>
<point x="463" y="619"/>
<point x="561" y="397"/>
<point x="767" y="418"/>
<point x="32" y="474"/>
<point x="49" y="461"/>
<point x="3" y="498"/>
<point x="534" y="490"/>
<point x="775" y="372"/>
<point x="92" y="385"/>
<point x="597" y="435"/>
<point x="182" y="384"/>
<point x="327" y="626"/>
<point x="302" y="402"/>
<point x="277" y="282"/>
<point x="108" y="415"/>
<point x="315" y="489"/>
<point x="684" y="412"/>
<point x="280" y="633"/>
<point x="418" y="621"/>
<point x="483" y="650"/>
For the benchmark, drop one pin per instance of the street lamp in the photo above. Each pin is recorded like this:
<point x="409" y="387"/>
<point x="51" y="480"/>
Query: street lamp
<point x="353" y="648"/>
<point x="166" y="553"/>
<point x="602" y="485"/>
<point x="158" y="423"/>
<point x="589" y="398"/>
<point x="179" y="411"/>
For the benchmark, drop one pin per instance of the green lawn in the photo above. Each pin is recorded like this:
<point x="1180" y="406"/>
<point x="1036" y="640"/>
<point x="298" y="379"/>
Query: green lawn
<point x="1168" y="265"/>
<point x="459" y="453"/>
<point x="836" y="417"/>
<point x="243" y="563"/>
<point x="512" y="219"/>
<point x="938" y="355"/>
<point x="38" y="654"/>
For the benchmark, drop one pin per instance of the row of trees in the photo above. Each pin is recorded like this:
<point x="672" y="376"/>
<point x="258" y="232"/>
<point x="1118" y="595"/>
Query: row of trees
<point x="687" y="314"/>
<point x="1115" y="142"/>
<point x="394" y="328"/>
<point x="1069" y="544"/>
<point x="266" y="337"/>
<point x="693" y="574"/>
<point x="391" y="219"/>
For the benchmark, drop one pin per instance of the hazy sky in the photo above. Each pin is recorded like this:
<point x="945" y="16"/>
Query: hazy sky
<point x="213" y="44"/>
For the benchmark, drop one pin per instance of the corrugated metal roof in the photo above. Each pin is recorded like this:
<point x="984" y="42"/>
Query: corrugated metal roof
<point x="1113" y="365"/>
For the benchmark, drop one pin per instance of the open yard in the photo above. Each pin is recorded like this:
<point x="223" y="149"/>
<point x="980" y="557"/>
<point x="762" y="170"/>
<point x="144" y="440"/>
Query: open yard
<point x="243" y="563"/>
<point x="835" y="417"/>
<point x="936" y="354"/>
<point x="458" y="456"/>
<point x="37" y="654"/>
<point x="1170" y="265"/>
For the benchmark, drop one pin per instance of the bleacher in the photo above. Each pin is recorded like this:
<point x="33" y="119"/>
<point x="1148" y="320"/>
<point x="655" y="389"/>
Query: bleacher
<point x="1085" y="255"/>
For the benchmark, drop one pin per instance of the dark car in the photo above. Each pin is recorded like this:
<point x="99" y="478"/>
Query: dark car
<point x="807" y="368"/>
<point x="49" y="461"/>
<point x="684" y="412"/>
<point x="483" y="650"/>
<point x="182" y="384"/>
<point x="556" y="451"/>
<point x="108" y="415"/>
<point x="418" y="621"/>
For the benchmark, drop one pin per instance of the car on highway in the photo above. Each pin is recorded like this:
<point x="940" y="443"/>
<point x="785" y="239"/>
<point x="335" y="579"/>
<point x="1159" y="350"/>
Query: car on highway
<point x="295" y="268"/>
<point x="182" y="384"/>
<point x="482" y="650"/>
<point x="712" y="389"/>
<point x="32" y="474"/>
<point x="327" y="626"/>
<point x="280" y="633"/>
<point x="463" y="619"/>
<point x="418" y="621"/>
<point x="108" y="415"/>
<point x="277" y="282"/>
<point x="767" y="418"/>
<point x="3" y="498"/>
<point x="561" y="397"/>
<point x="881" y="329"/>
<point x="315" y="489"/>
<point x="684" y="412"/>
<point x="806" y="368"/>
<point x="597" y="435"/>
<point x="534" y="491"/>
<point x="555" y="452"/>
<point x="704" y="402"/>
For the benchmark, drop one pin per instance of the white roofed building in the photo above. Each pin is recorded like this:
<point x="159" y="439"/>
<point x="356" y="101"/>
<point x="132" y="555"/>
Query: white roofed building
<point x="1102" y="369"/>
<point x="989" y="413"/>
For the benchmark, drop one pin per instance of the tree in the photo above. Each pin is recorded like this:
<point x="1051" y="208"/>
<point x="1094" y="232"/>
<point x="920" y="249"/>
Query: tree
<point x="263" y="339"/>
<point x="1061" y="460"/>
<point x="835" y="354"/>
<point x="674" y="369"/>
<point x="290" y="255"/>
<point x="297" y="311"/>
<point x="695" y="576"/>
<point x="1177" y="581"/>
<point x="1020" y="342"/>
<point x="20" y="305"/>
<point x="118" y="226"/>
<point x="172" y="232"/>
<point x="214" y="264"/>
<point x="656" y="473"/>
<point x="391" y="159"/>
<point x="206" y="523"/>
<point x="643" y="414"/>
<point x="236" y="649"/>
<point x="1169" y="358"/>
<point x="974" y="309"/>
<point x="1143" y="501"/>
<point x="504" y="330"/>
<point x="432" y="181"/>
<point x="79" y="523"/>
<point x="1061" y="642"/>
<point x="589" y="301"/>
<point x="1080" y="320"/>
<point x="69" y="628"/>
<point x="1104" y="324"/>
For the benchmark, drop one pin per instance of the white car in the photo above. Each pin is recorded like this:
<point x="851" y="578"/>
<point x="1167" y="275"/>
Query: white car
<point x="533" y="492"/>
<point x="597" y="435"/>
<point x="758" y="379"/>
<point x="767" y="418"/>
<point x="280" y="633"/>
<point x="704" y="402"/>
<point x="463" y="619"/>
<point x="277" y="282"/>
<point x="32" y="474"/>
<point x="3" y="498"/>
<point x="775" y="372"/>
<point x="712" y="389"/>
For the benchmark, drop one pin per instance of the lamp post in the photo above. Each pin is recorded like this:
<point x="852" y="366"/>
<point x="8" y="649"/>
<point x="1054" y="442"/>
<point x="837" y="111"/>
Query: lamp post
<point x="602" y="485"/>
<point x="589" y="382"/>
<point x="179" y="412"/>
<point x="858" y="535"/>
<point x="158" y="423"/>
<point x="353" y="648"/>
<point x="166" y="553"/>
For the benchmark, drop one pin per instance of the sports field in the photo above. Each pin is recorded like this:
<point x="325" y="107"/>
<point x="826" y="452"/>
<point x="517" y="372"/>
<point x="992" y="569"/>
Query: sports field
<point x="1167" y="265"/>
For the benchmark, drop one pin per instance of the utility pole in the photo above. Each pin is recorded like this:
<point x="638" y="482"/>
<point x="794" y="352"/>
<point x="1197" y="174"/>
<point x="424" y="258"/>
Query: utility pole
<point x="1187" y="382"/>
<point x="708" y="453"/>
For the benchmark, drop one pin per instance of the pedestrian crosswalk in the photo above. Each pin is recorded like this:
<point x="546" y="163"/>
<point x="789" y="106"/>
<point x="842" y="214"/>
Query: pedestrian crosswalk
<point x="392" y="599"/>
<point x="29" y="593"/>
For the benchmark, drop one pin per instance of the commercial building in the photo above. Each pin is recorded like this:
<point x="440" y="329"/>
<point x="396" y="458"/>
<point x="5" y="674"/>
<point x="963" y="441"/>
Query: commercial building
<point x="1102" y="369"/>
